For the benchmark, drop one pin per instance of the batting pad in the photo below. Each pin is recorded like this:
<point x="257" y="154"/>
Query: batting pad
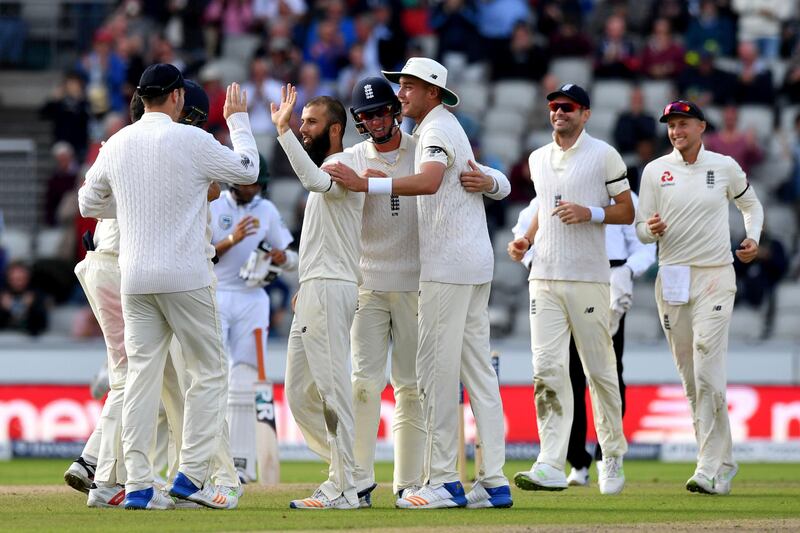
<point x="242" y="420"/>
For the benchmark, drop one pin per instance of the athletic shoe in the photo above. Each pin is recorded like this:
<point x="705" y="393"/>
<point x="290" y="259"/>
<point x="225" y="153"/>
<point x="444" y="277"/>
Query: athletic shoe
<point x="80" y="475"/>
<point x="112" y="496"/>
<point x="318" y="502"/>
<point x="724" y="477"/>
<point x="365" y="497"/>
<point x="232" y="493"/>
<point x="497" y="497"/>
<point x="442" y="496"/>
<point x="541" y="477"/>
<point x="700" y="484"/>
<point x="612" y="476"/>
<point x="148" y="499"/>
<point x="207" y="496"/>
<point x="578" y="477"/>
<point x="405" y="492"/>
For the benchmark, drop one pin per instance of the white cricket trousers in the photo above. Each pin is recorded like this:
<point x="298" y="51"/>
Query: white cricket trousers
<point x="99" y="275"/>
<point x="453" y="345"/>
<point x="697" y="333"/>
<point x="379" y="317"/>
<point x="150" y="320"/>
<point x="558" y="308"/>
<point x="318" y="386"/>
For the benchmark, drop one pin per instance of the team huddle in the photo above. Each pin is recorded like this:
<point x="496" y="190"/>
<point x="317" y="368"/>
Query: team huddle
<point x="394" y="249"/>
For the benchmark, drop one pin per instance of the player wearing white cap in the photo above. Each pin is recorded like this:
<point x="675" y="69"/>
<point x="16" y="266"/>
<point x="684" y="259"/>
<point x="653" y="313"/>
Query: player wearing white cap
<point x="578" y="176"/>
<point x="684" y="198"/>
<point x="456" y="266"/>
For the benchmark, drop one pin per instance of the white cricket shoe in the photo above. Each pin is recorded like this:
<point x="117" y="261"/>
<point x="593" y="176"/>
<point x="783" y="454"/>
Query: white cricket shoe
<point x="481" y="497"/>
<point x="232" y="493"/>
<point x="441" y="496"/>
<point x="612" y="476"/>
<point x="318" y="502"/>
<point x="150" y="499"/>
<point x="207" y="496"/>
<point x="724" y="477"/>
<point x="365" y="497"/>
<point x="113" y="496"/>
<point x="407" y="491"/>
<point x="541" y="476"/>
<point x="701" y="484"/>
<point x="578" y="477"/>
<point x="80" y="475"/>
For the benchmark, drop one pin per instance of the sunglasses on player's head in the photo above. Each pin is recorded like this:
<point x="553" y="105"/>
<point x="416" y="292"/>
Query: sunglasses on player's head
<point x="677" y="107"/>
<point x="381" y="112"/>
<point x="566" y="107"/>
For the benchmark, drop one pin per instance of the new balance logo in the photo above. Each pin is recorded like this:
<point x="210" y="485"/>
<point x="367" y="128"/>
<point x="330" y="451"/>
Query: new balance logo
<point x="368" y="92"/>
<point x="533" y="306"/>
<point x="589" y="310"/>
<point x="666" y="321"/>
<point x="717" y="308"/>
<point x="434" y="76"/>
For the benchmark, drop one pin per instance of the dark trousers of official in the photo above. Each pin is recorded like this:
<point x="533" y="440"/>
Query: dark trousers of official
<point x="577" y="455"/>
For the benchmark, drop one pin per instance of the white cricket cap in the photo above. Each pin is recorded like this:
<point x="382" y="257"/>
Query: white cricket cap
<point x="427" y="70"/>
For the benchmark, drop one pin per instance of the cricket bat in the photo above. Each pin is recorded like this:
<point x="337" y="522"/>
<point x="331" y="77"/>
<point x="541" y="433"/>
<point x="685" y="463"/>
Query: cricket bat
<point x="462" y="450"/>
<point x="269" y="466"/>
<point x="478" y="443"/>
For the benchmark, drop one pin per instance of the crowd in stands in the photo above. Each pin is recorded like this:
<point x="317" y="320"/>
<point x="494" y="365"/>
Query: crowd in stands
<point x="719" y="53"/>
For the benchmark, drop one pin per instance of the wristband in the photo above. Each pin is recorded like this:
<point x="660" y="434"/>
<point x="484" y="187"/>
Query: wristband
<point x="379" y="186"/>
<point x="598" y="214"/>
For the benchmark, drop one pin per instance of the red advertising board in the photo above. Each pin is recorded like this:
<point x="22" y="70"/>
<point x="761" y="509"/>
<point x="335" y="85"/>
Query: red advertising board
<point x="655" y="414"/>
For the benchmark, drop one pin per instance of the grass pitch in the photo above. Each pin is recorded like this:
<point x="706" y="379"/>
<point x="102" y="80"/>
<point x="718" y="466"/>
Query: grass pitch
<point x="765" y="497"/>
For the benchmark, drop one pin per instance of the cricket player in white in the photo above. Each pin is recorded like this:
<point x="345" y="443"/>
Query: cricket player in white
<point x="683" y="206"/>
<point x="456" y="266"/>
<point x="318" y="385"/>
<point x="578" y="176"/>
<point x="241" y="220"/>
<point x="166" y="273"/>
<point x="388" y="294"/>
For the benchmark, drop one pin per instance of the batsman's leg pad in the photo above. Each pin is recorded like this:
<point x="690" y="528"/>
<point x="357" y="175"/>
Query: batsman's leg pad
<point x="242" y="419"/>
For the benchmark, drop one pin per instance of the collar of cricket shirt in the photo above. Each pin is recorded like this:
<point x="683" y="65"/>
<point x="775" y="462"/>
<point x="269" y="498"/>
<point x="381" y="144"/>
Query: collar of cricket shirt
<point x="373" y="153"/>
<point x="432" y="115"/>
<point x="678" y="158"/>
<point x="574" y="146"/>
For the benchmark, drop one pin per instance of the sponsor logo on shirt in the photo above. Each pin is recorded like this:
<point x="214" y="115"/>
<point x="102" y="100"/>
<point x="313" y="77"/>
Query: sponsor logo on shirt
<point x="667" y="179"/>
<point x="246" y="162"/>
<point x="433" y="150"/>
<point x="225" y="221"/>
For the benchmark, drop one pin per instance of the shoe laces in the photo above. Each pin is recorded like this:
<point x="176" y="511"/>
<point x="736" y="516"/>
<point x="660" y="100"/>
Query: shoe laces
<point x="411" y="489"/>
<point x="611" y="466"/>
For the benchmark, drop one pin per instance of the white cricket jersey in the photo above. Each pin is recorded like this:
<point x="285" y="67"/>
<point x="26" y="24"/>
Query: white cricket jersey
<point x="454" y="239"/>
<point x="389" y="235"/>
<point x="225" y="214"/>
<point x="589" y="173"/>
<point x="330" y="240"/>
<point x="692" y="200"/>
<point x="622" y="244"/>
<point x="106" y="236"/>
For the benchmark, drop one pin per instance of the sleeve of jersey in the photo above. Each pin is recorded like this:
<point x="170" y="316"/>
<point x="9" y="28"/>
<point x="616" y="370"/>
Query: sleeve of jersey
<point x="95" y="199"/>
<point x="616" y="174"/>
<point x="436" y="148"/>
<point x="309" y="174"/>
<point x="648" y="203"/>
<point x="278" y="234"/>
<point x="503" y="186"/>
<point x="239" y="165"/>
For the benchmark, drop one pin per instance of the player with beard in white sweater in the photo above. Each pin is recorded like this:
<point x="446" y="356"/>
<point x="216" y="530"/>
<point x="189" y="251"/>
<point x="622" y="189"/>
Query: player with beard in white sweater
<point x="456" y="267"/>
<point x="318" y="387"/>
<point x="388" y="294"/>
<point x="166" y="272"/>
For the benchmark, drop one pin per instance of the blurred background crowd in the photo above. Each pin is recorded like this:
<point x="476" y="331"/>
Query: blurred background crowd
<point x="68" y="70"/>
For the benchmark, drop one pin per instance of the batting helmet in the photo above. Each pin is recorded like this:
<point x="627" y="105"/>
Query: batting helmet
<point x="195" y="105"/>
<point x="373" y="97"/>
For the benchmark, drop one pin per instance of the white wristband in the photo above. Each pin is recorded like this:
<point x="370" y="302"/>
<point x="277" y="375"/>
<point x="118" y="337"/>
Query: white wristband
<point x="598" y="214"/>
<point x="379" y="186"/>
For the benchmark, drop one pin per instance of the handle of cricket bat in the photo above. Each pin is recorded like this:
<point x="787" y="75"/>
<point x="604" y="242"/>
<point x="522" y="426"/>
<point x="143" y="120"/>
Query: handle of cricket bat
<point x="259" y="340"/>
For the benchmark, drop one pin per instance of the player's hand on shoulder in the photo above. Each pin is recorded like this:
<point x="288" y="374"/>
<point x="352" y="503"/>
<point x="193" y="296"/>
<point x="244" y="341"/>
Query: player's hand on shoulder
<point x="235" y="100"/>
<point x="474" y="180"/>
<point x="346" y="176"/>
<point x="517" y="248"/>
<point x="571" y="213"/>
<point x="747" y="251"/>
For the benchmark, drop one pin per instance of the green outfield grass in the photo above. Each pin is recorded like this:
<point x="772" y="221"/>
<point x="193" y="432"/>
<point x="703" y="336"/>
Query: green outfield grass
<point x="765" y="497"/>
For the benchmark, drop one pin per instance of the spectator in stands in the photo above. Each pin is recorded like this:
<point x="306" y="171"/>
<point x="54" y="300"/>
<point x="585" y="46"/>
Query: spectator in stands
<point x="522" y="189"/>
<point x="131" y="51"/>
<point x="524" y="60"/>
<point x="284" y="59"/>
<point x="367" y="39"/>
<point x="711" y="32"/>
<point x="342" y="25"/>
<point x="760" y="23"/>
<point x="309" y="84"/>
<point x="569" y="41"/>
<point x="645" y="152"/>
<point x="705" y="84"/>
<point x="662" y="57"/>
<point x="230" y="17"/>
<point x="551" y="15"/>
<point x="106" y="74"/>
<point x="754" y="82"/>
<point x="13" y="30"/>
<point x="791" y="82"/>
<point x="456" y="25"/>
<point x="22" y="308"/>
<point x="675" y="11"/>
<point x="261" y="89"/>
<point x="496" y="21"/>
<point x="391" y="36"/>
<point x="615" y="56"/>
<point x="634" y="125"/>
<point x="328" y="50"/>
<point x="68" y="109"/>
<point x="789" y="191"/>
<point x="61" y="181"/>
<point x="112" y="123"/>
<point x="741" y="145"/>
<point x="756" y="282"/>
<point x="162" y="51"/>
<point x="211" y="79"/>
<point x="266" y="11"/>
<point x="356" y="70"/>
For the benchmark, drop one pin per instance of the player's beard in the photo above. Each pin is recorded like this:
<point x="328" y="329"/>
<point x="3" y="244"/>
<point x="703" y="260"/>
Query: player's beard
<point x="319" y="147"/>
